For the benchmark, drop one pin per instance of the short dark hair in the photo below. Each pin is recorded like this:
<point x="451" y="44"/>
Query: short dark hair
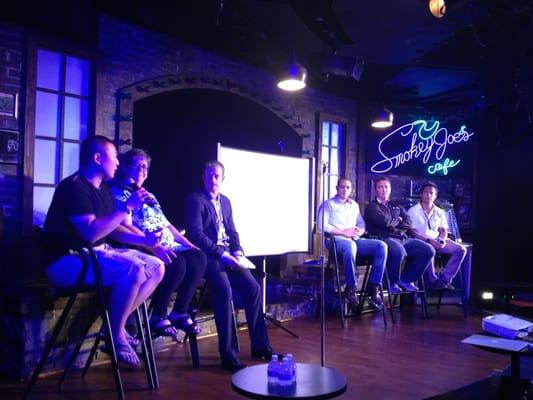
<point x="90" y="146"/>
<point x="429" y="184"/>
<point x="343" y="178"/>
<point x="127" y="158"/>
<point x="214" y="164"/>
<point x="381" y="178"/>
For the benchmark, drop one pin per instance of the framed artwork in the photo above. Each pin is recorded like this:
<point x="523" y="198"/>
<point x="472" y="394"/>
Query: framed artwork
<point x="416" y="187"/>
<point x="8" y="104"/>
<point x="9" y="146"/>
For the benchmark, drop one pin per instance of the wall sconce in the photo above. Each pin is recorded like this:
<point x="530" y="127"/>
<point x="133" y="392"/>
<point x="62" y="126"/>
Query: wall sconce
<point x="293" y="78"/>
<point x="383" y="119"/>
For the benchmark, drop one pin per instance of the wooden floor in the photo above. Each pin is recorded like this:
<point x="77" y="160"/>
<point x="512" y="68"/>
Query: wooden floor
<point x="412" y="359"/>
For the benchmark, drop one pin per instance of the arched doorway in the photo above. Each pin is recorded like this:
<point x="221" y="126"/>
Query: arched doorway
<point x="181" y="128"/>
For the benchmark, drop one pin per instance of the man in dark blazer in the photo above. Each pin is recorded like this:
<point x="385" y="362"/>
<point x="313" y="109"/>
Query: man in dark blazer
<point x="209" y="224"/>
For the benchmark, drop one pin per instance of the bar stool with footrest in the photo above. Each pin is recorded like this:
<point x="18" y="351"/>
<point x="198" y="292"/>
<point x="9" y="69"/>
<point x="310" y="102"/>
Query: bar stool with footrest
<point x="89" y="258"/>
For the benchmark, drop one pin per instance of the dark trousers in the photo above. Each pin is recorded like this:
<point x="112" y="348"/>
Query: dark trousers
<point x="221" y="281"/>
<point x="183" y="276"/>
<point x="420" y="254"/>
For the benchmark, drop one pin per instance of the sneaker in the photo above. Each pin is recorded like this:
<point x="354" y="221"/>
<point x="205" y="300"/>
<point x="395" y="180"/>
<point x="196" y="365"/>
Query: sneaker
<point x="408" y="286"/>
<point x="446" y="282"/>
<point x="395" y="289"/>
<point x="437" y="285"/>
<point x="351" y="297"/>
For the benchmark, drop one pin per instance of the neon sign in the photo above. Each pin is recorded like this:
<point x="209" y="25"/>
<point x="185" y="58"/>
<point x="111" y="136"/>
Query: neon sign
<point x="427" y="143"/>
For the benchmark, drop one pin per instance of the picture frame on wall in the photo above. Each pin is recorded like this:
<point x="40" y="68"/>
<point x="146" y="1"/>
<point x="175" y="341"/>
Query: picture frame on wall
<point x="416" y="187"/>
<point x="9" y="146"/>
<point x="8" y="104"/>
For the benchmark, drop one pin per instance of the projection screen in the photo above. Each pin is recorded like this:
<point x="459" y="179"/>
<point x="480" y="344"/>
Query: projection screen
<point x="271" y="200"/>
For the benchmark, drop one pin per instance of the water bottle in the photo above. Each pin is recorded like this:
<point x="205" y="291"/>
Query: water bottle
<point x="273" y="369"/>
<point x="292" y="365"/>
<point x="284" y="373"/>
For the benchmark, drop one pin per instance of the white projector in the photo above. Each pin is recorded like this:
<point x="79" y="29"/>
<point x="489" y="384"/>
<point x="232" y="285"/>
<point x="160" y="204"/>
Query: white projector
<point x="507" y="326"/>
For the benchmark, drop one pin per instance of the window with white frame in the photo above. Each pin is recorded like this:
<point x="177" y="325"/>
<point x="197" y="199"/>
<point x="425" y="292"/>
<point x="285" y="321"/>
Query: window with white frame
<point x="331" y="154"/>
<point x="62" y="93"/>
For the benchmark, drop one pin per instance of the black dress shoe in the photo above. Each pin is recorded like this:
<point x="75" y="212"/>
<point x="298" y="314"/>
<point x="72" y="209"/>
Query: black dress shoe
<point x="232" y="365"/>
<point x="351" y="297"/>
<point x="374" y="298"/>
<point x="263" y="354"/>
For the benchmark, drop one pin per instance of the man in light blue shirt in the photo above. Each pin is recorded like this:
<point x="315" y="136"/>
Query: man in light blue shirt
<point x="342" y="220"/>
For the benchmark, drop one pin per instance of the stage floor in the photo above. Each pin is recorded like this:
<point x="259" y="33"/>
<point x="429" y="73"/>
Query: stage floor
<point x="413" y="359"/>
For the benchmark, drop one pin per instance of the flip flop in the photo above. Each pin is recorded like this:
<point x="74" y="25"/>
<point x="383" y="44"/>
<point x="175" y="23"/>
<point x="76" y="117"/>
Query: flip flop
<point x="125" y="354"/>
<point x="162" y="327"/>
<point x="132" y="340"/>
<point x="186" y="324"/>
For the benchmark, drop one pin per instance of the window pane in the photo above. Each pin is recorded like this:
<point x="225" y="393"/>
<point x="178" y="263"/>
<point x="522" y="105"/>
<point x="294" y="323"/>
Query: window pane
<point x="77" y="76"/>
<point x="42" y="197"/>
<point x="335" y="135"/>
<point x="44" y="167"/>
<point x="71" y="159"/>
<point x="47" y="114"/>
<point x="76" y="116"/>
<point x="48" y="69"/>
<point x="325" y="155"/>
<point x="332" y="185"/>
<point x="334" y="162"/>
<point x="325" y="133"/>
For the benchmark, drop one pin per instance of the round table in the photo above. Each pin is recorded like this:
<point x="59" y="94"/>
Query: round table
<point x="312" y="382"/>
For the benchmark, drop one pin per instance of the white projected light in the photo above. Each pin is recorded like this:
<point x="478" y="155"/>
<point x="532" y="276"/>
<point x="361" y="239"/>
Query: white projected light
<point x="270" y="196"/>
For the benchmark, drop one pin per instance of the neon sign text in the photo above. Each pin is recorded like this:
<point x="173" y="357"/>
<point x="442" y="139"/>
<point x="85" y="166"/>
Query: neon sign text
<point x="444" y="166"/>
<point x="422" y="142"/>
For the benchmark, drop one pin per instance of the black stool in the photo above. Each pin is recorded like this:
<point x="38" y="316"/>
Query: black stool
<point x="88" y="256"/>
<point x="421" y="292"/>
<point x="367" y="262"/>
<point x="194" y="309"/>
<point x="440" y="262"/>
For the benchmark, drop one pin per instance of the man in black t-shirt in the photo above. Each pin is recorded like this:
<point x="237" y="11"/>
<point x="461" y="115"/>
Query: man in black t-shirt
<point x="83" y="212"/>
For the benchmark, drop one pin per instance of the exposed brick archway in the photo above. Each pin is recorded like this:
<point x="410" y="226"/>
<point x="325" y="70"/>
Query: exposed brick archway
<point x="127" y="96"/>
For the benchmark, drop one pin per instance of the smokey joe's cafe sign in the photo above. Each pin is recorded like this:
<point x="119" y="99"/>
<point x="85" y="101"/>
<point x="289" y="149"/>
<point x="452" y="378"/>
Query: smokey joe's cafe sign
<point x="422" y="144"/>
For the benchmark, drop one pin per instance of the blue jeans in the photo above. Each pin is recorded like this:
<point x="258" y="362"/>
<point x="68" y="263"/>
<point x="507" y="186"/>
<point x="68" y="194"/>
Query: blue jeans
<point x="419" y="255"/>
<point x="349" y="249"/>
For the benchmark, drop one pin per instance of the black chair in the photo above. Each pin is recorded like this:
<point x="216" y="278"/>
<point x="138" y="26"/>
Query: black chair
<point x="367" y="262"/>
<point x="421" y="293"/>
<point x="89" y="257"/>
<point x="440" y="262"/>
<point x="196" y="305"/>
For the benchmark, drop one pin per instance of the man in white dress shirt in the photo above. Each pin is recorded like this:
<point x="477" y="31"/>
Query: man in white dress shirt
<point x="429" y="223"/>
<point x="344" y="223"/>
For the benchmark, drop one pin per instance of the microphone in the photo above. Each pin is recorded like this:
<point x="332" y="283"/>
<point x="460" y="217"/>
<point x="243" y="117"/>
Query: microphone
<point x="134" y="187"/>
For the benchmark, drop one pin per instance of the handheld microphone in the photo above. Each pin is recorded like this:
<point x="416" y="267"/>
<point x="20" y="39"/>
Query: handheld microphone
<point x="134" y="187"/>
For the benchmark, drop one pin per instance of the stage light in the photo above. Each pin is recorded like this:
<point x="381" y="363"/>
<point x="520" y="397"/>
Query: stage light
<point x="293" y="77"/>
<point x="437" y="8"/>
<point x="383" y="119"/>
<point x="487" y="295"/>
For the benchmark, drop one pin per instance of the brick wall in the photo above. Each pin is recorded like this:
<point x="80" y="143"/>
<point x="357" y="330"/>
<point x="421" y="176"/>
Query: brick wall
<point x="131" y="56"/>
<point x="11" y="63"/>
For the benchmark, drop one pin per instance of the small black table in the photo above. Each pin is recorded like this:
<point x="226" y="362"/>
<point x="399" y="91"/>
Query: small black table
<point x="516" y="355"/>
<point x="312" y="382"/>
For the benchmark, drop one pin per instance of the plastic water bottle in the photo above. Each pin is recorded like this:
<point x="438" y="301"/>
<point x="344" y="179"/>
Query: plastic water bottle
<point x="292" y="366"/>
<point x="284" y="373"/>
<point x="273" y="369"/>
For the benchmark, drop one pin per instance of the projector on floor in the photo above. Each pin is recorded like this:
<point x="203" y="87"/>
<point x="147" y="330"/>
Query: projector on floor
<point x="507" y="326"/>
